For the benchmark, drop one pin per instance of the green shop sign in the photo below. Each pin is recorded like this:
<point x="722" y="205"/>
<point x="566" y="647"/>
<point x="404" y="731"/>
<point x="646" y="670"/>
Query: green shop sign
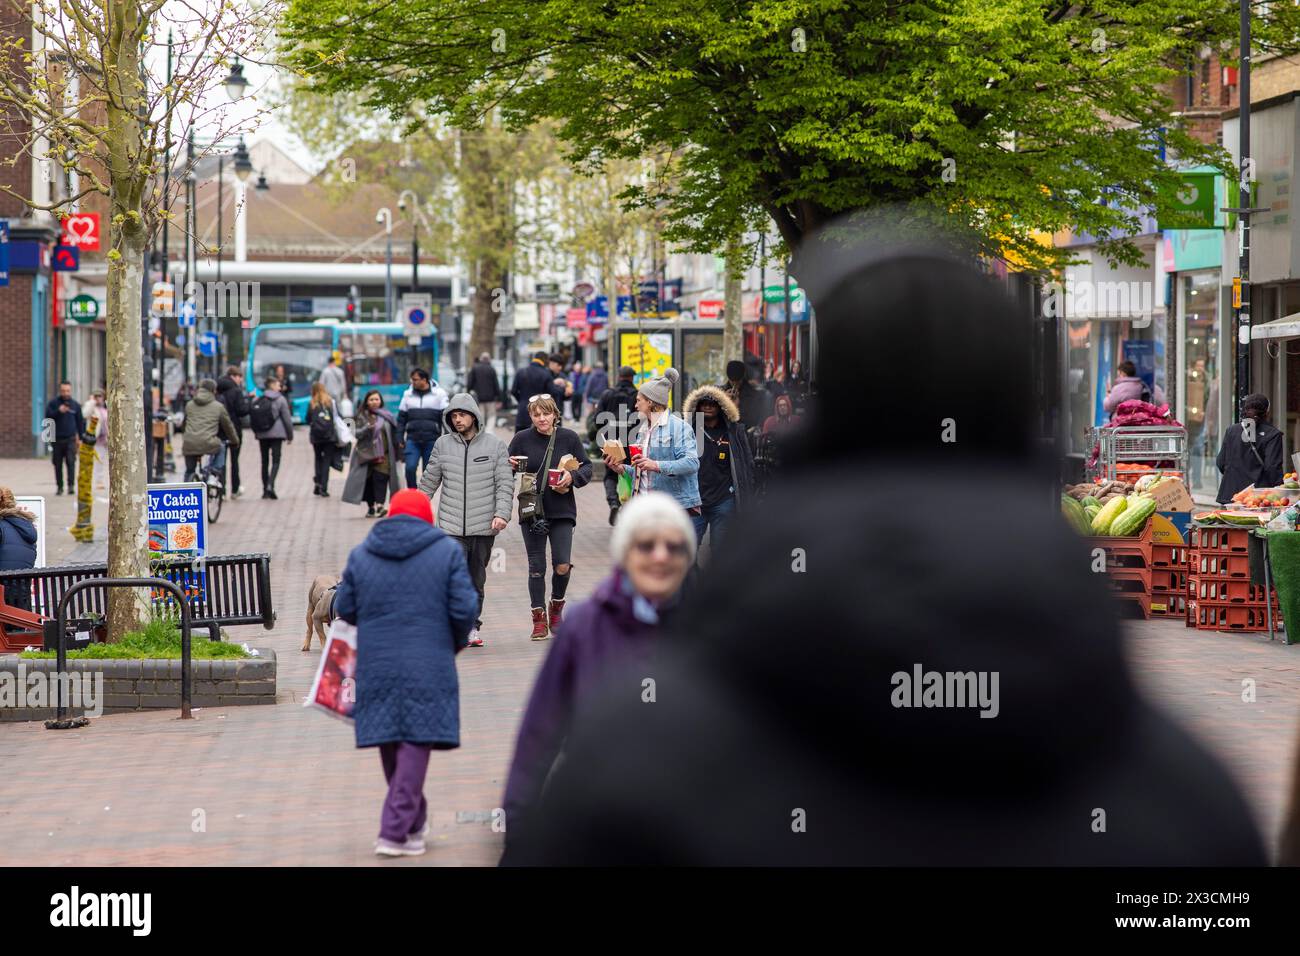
<point x="1191" y="205"/>
<point x="83" y="308"/>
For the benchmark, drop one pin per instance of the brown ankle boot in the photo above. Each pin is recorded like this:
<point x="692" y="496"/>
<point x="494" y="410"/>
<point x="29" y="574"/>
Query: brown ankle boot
<point x="539" y="624"/>
<point x="556" y="608"/>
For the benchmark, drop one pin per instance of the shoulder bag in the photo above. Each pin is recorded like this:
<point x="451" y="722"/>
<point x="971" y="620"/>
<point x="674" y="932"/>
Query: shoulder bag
<point x="530" y="497"/>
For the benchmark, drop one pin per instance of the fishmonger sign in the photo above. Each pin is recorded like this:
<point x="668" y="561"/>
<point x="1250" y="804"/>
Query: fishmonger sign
<point x="178" y="528"/>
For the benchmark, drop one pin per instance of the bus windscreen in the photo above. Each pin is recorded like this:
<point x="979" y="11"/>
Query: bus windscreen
<point x="296" y="356"/>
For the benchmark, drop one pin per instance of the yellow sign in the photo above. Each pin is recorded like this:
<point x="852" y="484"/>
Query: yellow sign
<point x="1236" y="292"/>
<point x="650" y="354"/>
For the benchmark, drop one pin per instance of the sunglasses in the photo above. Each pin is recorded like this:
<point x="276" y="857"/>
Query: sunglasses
<point x="676" y="549"/>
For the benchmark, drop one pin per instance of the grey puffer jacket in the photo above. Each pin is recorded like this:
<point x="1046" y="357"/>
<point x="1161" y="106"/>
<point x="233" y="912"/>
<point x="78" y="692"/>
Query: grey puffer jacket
<point x="476" y="480"/>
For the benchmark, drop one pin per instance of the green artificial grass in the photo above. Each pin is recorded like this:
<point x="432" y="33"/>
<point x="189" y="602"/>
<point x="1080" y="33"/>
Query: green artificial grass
<point x="160" y="638"/>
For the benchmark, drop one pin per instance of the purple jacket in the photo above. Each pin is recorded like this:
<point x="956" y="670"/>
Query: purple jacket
<point x="1127" y="389"/>
<point x="600" y="637"/>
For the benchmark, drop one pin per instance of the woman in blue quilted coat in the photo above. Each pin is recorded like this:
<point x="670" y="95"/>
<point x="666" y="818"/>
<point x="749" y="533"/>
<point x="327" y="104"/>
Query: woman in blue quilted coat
<point x="408" y="591"/>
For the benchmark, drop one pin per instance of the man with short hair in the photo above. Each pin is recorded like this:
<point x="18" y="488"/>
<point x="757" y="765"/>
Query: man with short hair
<point x="535" y="379"/>
<point x="69" y="424"/>
<point x="419" y="422"/>
<point x="333" y="380"/>
<point x="230" y="393"/>
<point x="472" y="466"/>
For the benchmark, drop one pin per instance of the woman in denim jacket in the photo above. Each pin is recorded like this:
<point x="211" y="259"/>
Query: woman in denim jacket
<point x="668" y="461"/>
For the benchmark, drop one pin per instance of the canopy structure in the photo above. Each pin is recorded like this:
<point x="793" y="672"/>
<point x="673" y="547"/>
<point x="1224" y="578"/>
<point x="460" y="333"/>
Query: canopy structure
<point x="1286" y="327"/>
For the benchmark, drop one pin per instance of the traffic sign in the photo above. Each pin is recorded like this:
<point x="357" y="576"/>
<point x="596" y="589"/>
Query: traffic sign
<point x="185" y="317"/>
<point x="83" y="308"/>
<point x="207" y="343"/>
<point x="417" y="314"/>
<point x="547" y="291"/>
<point x="67" y="258"/>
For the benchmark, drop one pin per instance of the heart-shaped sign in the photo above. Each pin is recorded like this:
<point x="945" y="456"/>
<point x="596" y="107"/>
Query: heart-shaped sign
<point x="82" y="230"/>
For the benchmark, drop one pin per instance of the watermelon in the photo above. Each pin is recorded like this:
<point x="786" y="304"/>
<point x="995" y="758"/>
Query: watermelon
<point x="1074" y="515"/>
<point x="1134" y="517"/>
<point x="1109" y="512"/>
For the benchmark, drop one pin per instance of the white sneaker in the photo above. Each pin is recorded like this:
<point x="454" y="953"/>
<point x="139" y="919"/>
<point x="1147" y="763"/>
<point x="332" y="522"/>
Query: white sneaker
<point x="406" y="848"/>
<point x="474" y="639"/>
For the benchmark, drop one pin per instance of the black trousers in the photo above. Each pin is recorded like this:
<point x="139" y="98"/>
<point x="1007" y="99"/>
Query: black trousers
<point x="376" y="492"/>
<point x="232" y="455"/>
<point x="610" y="482"/>
<point x="478" y="552"/>
<point x="270" y="461"/>
<point x="65" y="449"/>
<point x="560" y="537"/>
<point x="323" y="452"/>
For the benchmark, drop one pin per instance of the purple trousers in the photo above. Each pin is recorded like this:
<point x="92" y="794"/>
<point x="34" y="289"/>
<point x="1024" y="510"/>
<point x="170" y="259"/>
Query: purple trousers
<point x="405" y="809"/>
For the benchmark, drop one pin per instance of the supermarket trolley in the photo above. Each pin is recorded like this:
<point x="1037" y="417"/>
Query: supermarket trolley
<point x="1149" y="447"/>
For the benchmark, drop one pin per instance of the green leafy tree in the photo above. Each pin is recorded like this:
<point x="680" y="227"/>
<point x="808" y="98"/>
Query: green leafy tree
<point x="1013" y="116"/>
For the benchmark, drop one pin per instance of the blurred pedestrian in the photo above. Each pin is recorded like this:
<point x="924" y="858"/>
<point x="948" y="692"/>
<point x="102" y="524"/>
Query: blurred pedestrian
<point x="485" y="386"/>
<point x="206" y="420"/>
<point x="230" y="393"/>
<point x="69" y="426"/>
<point x="321" y="411"/>
<point x="97" y="407"/>
<point x="753" y="402"/>
<point x="537" y="451"/>
<point x="537" y="378"/>
<point x="1251" y="453"/>
<point x="579" y="379"/>
<point x="419" y="422"/>
<point x="333" y="379"/>
<point x="616" y="420"/>
<point x="407" y="692"/>
<point x="664" y="457"/>
<point x="1129" y="386"/>
<point x="913" y="671"/>
<point x="726" y="474"/>
<point x="373" y="471"/>
<point x="606" y="638"/>
<point x="594" y="387"/>
<point x="782" y="419"/>
<point x="272" y="424"/>
<point x="472" y="466"/>
<point x="18" y="540"/>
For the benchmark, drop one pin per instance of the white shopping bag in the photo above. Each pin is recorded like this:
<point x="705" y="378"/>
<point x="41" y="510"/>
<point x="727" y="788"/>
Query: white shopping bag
<point x="342" y="431"/>
<point x="335" y="688"/>
<point x="345" y="408"/>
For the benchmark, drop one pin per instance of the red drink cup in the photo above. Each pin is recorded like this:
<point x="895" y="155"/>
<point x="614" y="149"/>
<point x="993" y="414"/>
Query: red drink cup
<point x="634" y="450"/>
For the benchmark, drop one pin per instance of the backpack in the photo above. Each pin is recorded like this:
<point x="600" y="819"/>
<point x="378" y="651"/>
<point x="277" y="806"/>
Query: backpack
<point x="322" y="426"/>
<point x="262" y="415"/>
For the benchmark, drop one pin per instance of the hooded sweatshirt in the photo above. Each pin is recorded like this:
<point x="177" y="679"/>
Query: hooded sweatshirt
<point x="204" y="418"/>
<point x="475" y="477"/>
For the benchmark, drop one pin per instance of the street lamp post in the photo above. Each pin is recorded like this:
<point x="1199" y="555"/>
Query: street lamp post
<point x="385" y="215"/>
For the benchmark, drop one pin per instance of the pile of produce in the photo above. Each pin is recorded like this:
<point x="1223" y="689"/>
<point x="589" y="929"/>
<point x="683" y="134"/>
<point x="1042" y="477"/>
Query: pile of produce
<point x="1228" y="517"/>
<point x="1250" y="498"/>
<point x="1116" y="515"/>
<point x="1289" y="480"/>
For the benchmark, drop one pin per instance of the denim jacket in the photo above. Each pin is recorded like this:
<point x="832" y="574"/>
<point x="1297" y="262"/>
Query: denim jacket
<point x="673" y="446"/>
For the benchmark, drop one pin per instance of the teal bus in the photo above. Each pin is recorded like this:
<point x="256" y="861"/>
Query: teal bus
<point x="376" y="355"/>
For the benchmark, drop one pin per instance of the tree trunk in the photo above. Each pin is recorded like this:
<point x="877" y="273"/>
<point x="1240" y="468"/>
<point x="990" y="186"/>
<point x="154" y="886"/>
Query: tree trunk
<point x="733" y="333"/>
<point x="127" y="512"/>
<point x="485" y="316"/>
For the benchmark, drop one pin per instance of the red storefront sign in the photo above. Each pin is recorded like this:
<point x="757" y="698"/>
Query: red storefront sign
<point x="709" y="308"/>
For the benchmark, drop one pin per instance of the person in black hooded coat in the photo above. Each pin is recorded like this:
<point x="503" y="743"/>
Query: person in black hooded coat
<point x="1244" y="463"/>
<point x="935" y="542"/>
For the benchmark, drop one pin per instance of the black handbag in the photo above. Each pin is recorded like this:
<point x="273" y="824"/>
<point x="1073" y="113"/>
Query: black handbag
<point x="531" y="487"/>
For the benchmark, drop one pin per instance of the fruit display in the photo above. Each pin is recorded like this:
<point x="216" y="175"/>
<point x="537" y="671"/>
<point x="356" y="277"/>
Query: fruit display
<point x="1138" y="508"/>
<point x="1075" y="516"/>
<point x="1230" y="517"/>
<point x="1107" y="515"/>
<point x="1102" y="492"/>
<point x="1291" y="480"/>
<point x="1251" y="498"/>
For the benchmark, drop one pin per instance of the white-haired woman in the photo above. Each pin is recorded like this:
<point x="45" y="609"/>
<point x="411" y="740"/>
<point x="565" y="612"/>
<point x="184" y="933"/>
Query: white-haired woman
<point x="653" y="546"/>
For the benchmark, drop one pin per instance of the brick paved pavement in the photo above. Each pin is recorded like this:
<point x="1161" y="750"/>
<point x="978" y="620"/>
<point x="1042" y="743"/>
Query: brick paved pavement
<point x="283" y="785"/>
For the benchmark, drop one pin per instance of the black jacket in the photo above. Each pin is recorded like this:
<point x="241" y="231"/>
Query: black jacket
<point x="528" y="442"/>
<point x="320" y="425"/>
<point x="483" y="383"/>
<point x="1243" y="466"/>
<point x="778" y="736"/>
<point x="532" y="380"/>
<point x="69" y="424"/>
<point x="231" y="394"/>
<point x="616" y="414"/>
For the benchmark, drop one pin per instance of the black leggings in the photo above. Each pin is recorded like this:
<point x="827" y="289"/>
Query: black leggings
<point x="324" y="454"/>
<point x="376" y="491"/>
<point x="561" y="538"/>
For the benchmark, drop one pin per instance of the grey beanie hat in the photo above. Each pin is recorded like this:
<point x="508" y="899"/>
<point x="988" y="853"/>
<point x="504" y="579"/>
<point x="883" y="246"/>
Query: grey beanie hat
<point x="660" y="390"/>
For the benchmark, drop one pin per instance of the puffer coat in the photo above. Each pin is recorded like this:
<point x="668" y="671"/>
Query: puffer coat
<point x="408" y="591"/>
<point x="205" y="419"/>
<point x="477" y="483"/>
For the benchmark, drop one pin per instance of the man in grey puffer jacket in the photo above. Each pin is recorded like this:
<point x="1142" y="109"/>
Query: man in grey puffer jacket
<point x="472" y="466"/>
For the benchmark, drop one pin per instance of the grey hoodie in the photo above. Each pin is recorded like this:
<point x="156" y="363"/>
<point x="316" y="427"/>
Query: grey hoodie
<point x="476" y="480"/>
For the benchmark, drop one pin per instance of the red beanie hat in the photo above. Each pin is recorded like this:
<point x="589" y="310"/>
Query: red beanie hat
<point x="408" y="501"/>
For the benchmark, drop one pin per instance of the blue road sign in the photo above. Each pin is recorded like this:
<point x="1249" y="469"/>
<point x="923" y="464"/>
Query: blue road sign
<point x="207" y="344"/>
<point x="67" y="258"/>
<point x="185" y="317"/>
<point x="415" y="316"/>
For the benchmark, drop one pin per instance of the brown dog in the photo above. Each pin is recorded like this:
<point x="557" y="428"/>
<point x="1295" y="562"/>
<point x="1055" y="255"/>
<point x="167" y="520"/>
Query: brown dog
<point x="320" y="603"/>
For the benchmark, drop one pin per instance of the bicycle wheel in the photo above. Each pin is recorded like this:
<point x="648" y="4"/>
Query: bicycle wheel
<point x="214" y="504"/>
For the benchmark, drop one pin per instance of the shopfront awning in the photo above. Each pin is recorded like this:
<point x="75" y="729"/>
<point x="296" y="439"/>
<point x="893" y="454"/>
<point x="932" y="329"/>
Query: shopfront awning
<point x="1287" y="327"/>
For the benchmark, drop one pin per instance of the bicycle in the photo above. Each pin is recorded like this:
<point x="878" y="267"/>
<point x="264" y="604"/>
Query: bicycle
<point x="214" y="478"/>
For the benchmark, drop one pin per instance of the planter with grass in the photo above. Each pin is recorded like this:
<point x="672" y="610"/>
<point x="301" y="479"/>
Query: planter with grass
<point x="140" y="672"/>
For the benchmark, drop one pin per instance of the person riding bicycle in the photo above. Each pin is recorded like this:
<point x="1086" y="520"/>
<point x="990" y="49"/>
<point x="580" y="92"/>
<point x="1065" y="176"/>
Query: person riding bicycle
<point x="205" y="419"/>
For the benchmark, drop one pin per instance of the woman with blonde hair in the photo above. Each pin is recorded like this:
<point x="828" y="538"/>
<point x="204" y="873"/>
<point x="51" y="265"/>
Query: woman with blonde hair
<point x="536" y="451"/>
<point x="320" y="425"/>
<point x="17" y="548"/>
